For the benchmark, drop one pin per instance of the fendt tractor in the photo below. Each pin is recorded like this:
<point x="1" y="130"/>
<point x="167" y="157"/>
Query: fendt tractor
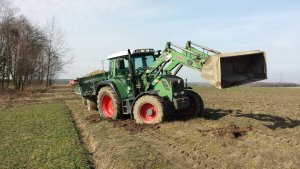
<point x="142" y="83"/>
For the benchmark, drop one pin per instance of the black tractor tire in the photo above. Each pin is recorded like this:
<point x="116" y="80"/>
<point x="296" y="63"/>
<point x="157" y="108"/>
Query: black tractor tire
<point x="195" y="106"/>
<point x="84" y="100"/>
<point x="108" y="103"/>
<point x="149" y="109"/>
<point x="91" y="105"/>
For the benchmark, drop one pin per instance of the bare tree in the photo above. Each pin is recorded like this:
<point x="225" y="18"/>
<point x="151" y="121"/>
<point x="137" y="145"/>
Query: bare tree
<point x="7" y="12"/>
<point x="56" y="51"/>
<point x="28" y="45"/>
<point x="21" y="44"/>
<point x="28" y="54"/>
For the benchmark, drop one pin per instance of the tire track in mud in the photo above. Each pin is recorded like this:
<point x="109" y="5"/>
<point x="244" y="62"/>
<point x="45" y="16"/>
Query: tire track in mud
<point x="176" y="151"/>
<point x="180" y="153"/>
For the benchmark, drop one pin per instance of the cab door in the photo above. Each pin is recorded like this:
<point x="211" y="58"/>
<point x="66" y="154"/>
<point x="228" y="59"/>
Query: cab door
<point x="122" y="75"/>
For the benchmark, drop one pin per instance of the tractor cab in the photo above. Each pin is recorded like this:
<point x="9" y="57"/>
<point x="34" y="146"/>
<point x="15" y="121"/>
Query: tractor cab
<point x="141" y="59"/>
<point x="127" y="66"/>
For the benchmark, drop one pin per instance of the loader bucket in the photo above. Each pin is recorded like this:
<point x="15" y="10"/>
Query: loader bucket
<point x="226" y="70"/>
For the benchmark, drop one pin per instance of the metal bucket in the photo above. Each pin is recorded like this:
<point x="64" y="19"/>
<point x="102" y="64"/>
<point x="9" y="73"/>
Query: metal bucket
<point x="231" y="69"/>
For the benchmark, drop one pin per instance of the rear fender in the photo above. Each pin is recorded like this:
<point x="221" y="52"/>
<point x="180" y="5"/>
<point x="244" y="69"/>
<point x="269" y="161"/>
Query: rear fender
<point x="110" y="84"/>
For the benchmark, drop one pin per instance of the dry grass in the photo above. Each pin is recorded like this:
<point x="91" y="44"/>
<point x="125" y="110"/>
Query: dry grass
<point x="239" y="128"/>
<point x="112" y="146"/>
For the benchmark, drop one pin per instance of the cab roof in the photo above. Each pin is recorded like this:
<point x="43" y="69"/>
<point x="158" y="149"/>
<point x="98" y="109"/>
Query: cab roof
<point x="125" y="53"/>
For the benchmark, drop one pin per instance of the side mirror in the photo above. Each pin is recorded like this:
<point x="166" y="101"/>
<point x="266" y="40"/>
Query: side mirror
<point x="158" y="52"/>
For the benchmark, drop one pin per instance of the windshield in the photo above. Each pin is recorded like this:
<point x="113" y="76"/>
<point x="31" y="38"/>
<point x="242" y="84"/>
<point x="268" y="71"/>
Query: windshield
<point x="143" y="61"/>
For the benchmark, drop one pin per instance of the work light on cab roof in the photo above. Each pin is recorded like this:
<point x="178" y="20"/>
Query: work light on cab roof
<point x="143" y="51"/>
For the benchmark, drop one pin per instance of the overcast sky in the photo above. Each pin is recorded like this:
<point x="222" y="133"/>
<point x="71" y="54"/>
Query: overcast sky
<point x="95" y="29"/>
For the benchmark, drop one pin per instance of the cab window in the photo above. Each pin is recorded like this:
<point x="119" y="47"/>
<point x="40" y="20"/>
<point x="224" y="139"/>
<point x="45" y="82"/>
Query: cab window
<point x="143" y="61"/>
<point x="122" y="66"/>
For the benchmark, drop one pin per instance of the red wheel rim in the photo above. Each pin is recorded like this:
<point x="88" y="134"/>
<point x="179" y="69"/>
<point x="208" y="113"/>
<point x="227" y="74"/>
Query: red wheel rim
<point x="148" y="112"/>
<point x="107" y="106"/>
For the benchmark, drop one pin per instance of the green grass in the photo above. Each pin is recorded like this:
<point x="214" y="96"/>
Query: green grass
<point x="40" y="136"/>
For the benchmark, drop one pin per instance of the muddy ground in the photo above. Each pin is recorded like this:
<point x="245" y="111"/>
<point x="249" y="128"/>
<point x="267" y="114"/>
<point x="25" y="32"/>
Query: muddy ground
<point x="239" y="128"/>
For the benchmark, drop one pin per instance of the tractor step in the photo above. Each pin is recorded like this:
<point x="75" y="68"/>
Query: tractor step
<point x="127" y="105"/>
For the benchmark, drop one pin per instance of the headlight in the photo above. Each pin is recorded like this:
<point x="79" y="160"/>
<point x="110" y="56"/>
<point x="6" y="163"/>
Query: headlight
<point x="175" y="93"/>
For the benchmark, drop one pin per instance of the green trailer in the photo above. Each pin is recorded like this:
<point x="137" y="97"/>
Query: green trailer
<point x="143" y="83"/>
<point x="86" y="88"/>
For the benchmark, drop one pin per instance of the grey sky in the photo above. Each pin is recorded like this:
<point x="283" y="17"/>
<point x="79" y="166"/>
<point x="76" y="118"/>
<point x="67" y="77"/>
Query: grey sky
<point x="95" y="29"/>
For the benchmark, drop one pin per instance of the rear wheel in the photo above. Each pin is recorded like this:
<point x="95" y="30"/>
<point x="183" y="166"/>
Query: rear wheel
<point x="108" y="103"/>
<point x="195" y="106"/>
<point x="149" y="110"/>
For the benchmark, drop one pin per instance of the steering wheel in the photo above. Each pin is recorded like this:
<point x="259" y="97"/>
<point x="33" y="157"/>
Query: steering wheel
<point x="141" y="69"/>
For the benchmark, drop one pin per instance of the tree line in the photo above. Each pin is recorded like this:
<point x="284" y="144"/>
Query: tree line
<point x="29" y="54"/>
<point x="272" y="84"/>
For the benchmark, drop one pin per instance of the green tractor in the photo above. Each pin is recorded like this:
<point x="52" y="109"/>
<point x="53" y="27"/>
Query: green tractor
<point x="142" y="83"/>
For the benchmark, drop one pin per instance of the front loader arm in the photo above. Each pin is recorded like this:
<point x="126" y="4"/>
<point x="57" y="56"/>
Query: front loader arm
<point x="205" y="50"/>
<point x="183" y="58"/>
<point x="175" y="58"/>
<point x="222" y="70"/>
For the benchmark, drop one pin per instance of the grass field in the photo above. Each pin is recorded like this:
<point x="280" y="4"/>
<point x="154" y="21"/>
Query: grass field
<point x="40" y="135"/>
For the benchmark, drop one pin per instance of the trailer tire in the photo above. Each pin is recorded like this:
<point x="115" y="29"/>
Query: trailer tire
<point x="149" y="109"/>
<point x="195" y="108"/>
<point x="91" y="105"/>
<point x="108" y="103"/>
<point x="84" y="100"/>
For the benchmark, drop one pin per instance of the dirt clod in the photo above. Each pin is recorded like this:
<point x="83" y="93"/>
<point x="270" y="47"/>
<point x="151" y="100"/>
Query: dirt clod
<point x="131" y="126"/>
<point x="128" y="124"/>
<point x="229" y="132"/>
<point x="95" y="118"/>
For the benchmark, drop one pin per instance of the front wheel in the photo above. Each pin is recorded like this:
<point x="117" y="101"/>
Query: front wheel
<point x="195" y="106"/>
<point x="108" y="103"/>
<point x="149" y="110"/>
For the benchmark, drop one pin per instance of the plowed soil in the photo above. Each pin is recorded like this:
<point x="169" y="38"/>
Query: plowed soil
<point x="239" y="128"/>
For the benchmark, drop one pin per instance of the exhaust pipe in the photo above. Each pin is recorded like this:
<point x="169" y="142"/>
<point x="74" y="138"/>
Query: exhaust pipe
<point x="224" y="70"/>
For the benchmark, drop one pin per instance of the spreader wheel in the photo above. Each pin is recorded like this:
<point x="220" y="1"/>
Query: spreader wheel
<point x="108" y="103"/>
<point x="91" y="105"/>
<point x="195" y="106"/>
<point x="84" y="100"/>
<point x="149" y="110"/>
